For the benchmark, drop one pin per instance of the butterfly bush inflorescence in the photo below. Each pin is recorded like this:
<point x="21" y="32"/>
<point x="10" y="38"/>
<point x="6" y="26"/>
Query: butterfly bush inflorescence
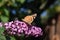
<point x="18" y="28"/>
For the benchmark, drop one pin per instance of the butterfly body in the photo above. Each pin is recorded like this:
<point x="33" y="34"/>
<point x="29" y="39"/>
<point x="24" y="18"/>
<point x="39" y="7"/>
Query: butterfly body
<point x="30" y="18"/>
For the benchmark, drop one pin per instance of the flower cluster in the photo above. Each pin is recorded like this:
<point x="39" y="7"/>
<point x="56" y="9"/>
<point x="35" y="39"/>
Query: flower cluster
<point x="19" y="28"/>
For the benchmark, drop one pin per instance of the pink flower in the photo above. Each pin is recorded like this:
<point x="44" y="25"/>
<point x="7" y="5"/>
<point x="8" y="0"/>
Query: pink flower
<point x="19" y="30"/>
<point x="36" y="35"/>
<point x="10" y="23"/>
<point x="6" y="27"/>
<point x="6" y="24"/>
<point x="14" y="33"/>
<point x="1" y="25"/>
<point x="14" y="29"/>
<point x="13" y="25"/>
<point x="26" y="32"/>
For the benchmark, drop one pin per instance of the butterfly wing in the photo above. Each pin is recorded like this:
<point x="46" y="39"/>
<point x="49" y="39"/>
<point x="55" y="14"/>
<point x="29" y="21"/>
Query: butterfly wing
<point x="29" y="19"/>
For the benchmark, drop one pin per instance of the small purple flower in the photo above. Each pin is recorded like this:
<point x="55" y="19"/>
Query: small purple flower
<point x="11" y="33"/>
<point x="17" y="27"/>
<point x="18" y="34"/>
<point x="6" y="27"/>
<point x="6" y="24"/>
<point x="25" y="28"/>
<point x="29" y="32"/>
<point x="36" y="35"/>
<point x="14" y="29"/>
<point x="1" y="25"/>
<point x="19" y="30"/>
<point x="12" y="25"/>
<point x="14" y="33"/>
<point x="26" y="32"/>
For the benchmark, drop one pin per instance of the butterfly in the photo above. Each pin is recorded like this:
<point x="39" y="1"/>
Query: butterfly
<point x="29" y="19"/>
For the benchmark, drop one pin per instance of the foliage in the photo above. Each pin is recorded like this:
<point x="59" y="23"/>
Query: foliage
<point x="2" y="37"/>
<point x="4" y="16"/>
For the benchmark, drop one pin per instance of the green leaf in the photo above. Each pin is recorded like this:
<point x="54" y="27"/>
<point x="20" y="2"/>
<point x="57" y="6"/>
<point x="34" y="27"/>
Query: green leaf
<point x="12" y="38"/>
<point x="2" y="37"/>
<point x="1" y="30"/>
<point x="4" y="18"/>
<point x="2" y="2"/>
<point x="13" y="1"/>
<point x="6" y="12"/>
<point x="21" y="1"/>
